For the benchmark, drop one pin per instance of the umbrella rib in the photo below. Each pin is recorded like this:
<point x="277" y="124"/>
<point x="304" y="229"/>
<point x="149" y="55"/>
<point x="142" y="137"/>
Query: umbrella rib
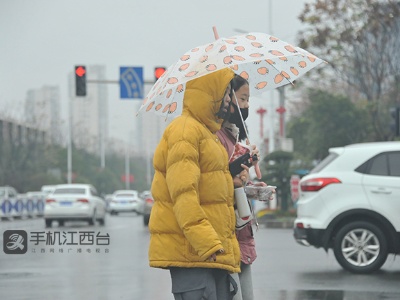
<point x="241" y="117"/>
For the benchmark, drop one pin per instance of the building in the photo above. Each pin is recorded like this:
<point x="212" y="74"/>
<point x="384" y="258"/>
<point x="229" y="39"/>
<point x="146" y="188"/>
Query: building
<point x="150" y="129"/>
<point x="42" y="111"/>
<point x="13" y="132"/>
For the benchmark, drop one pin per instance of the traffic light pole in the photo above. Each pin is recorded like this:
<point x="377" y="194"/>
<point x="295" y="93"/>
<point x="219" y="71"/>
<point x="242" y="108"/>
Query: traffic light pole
<point x="81" y="91"/>
<point x="69" y="151"/>
<point x="395" y="114"/>
<point x="115" y="81"/>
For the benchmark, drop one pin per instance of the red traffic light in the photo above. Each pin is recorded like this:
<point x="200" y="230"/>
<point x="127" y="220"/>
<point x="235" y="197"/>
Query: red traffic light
<point x="80" y="71"/>
<point x="158" y="71"/>
<point x="80" y="80"/>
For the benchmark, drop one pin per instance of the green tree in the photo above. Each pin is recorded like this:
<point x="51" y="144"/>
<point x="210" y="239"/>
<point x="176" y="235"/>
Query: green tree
<point x="278" y="172"/>
<point x="328" y="121"/>
<point x="86" y="168"/>
<point x="28" y="162"/>
<point x="23" y="155"/>
<point x="105" y="181"/>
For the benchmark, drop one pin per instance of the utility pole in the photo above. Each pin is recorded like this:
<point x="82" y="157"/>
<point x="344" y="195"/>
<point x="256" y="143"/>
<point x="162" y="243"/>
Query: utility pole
<point x="261" y="111"/>
<point x="69" y="150"/>
<point x="127" y="168"/>
<point x="102" y="100"/>
<point x="271" y="144"/>
<point x="281" y="111"/>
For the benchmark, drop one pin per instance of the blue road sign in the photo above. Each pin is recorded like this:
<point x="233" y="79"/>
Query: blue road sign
<point x="131" y="82"/>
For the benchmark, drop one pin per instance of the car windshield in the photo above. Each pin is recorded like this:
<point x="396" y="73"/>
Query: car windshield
<point x="326" y="161"/>
<point x="2" y="192"/>
<point x="70" y="191"/>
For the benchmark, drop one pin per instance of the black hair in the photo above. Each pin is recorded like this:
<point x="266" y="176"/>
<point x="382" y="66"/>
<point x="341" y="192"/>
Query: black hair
<point x="236" y="83"/>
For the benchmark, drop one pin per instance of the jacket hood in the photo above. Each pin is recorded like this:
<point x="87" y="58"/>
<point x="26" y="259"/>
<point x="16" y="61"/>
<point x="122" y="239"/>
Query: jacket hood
<point x="203" y="97"/>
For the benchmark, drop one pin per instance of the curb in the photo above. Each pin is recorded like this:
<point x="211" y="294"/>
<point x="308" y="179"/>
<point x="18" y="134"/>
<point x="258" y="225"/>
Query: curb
<point x="277" y="224"/>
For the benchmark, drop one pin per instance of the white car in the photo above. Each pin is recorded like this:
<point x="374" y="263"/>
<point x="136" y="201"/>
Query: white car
<point x="47" y="189"/>
<point x="74" y="202"/>
<point x="350" y="203"/>
<point x="125" y="201"/>
<point x="108" y="198"/>
<point x="147" y="204"/>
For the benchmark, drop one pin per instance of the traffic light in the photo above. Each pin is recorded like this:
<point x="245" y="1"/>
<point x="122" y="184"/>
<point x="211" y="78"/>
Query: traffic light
<point x="80" y="80"/>
<point x="158" y="71"/>
<point x="395" y="125"/>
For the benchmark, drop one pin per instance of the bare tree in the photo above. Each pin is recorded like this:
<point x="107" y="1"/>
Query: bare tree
<point x="360" y="40"/>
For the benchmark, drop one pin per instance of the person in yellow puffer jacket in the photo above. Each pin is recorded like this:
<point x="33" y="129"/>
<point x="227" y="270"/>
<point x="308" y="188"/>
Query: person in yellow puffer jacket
<point x="192" y="223"/>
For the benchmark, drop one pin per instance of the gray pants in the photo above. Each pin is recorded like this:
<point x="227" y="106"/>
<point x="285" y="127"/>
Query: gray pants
<point x="245" y="283"/>
<point x="200" y="283"/>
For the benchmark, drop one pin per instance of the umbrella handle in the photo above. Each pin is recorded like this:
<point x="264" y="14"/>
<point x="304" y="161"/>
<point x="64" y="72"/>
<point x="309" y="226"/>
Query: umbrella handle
<point x="258" y="171"/>
<point x="216" y="36"/>
<point x="256" y="167"/>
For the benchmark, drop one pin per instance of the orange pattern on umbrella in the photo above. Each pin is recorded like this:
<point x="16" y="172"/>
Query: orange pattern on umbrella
<point x="265" y="61"/>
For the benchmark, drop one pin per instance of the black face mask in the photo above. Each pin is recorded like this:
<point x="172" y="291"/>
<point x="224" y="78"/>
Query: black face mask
<point x="234" y="118"/>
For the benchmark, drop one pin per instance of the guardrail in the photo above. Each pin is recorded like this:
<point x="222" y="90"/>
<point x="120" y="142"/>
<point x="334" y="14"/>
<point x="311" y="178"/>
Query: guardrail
<point x="21" y="207"/>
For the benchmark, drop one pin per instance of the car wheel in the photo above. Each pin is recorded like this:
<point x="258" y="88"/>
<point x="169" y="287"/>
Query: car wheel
<point x="48" y="223"/>
<point x="92" y="220"/>
<point x="146" y="219"/>
<point x="60" y="223"/>
<point x="360" y="247"/>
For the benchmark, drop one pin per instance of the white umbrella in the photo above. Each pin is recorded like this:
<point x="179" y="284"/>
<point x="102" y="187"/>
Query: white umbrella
<point x="264" y="60"/>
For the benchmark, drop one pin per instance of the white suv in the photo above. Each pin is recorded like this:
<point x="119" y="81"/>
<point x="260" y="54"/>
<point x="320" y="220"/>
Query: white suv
<point x="350" y="203"/>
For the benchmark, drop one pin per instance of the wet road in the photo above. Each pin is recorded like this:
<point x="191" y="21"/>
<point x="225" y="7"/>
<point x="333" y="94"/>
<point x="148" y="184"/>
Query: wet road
<point x="78" y="261"/>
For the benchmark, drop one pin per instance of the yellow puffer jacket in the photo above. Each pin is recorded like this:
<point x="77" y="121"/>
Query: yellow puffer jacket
<point x="193" y="215"/>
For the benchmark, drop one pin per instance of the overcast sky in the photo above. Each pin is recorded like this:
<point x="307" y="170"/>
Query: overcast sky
<point x="42" y="40"/>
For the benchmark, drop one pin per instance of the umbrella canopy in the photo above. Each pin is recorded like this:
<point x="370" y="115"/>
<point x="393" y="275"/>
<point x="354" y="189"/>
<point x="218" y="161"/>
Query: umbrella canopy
<point x="264" y="60"/>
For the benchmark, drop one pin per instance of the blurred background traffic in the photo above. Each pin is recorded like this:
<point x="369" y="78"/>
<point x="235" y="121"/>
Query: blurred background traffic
<point x="75" y="121"/>
<point x="72" y="202"/>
